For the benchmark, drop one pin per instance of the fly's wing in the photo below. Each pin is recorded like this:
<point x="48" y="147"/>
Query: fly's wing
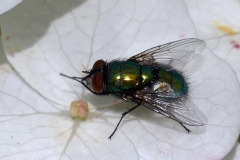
<point x="182" y="109"/>
<point x="176" y="53"/>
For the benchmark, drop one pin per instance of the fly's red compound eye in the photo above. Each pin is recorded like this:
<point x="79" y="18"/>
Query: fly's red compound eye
<point x="99" y="63"/>
<point x="97" y="82"/>
<point x="98" y="78"/>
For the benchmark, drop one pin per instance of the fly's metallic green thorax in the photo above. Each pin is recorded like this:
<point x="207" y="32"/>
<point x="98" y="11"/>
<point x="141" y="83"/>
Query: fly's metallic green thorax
<point x="129" y="76"/>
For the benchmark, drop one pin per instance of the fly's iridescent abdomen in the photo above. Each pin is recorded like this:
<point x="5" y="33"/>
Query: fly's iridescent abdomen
<point x="173" y="82"/>
<point x="130" y="76"/>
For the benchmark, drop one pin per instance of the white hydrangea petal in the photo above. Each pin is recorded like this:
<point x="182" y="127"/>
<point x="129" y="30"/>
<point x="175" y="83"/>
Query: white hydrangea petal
<point x="7" y="5"/>
<point x="31" y="127"/>
<point x="217" y="22"/>
<point x="61" y="37"/>
<point x="234" y="154"/>
<point x="85" y="32"/>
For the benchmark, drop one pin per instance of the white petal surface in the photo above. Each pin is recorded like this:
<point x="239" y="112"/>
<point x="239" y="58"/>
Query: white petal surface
<point x="217" y="21"/>
<point x="234" y="154"/>
<point x="61" y="37"/>
<point x="33" y="128"/>
<point x="64" y="37"/>
<point x="7" y="5"/>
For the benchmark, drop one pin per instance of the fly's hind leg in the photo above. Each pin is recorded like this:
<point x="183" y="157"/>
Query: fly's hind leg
<point x="124" y="114"/>
<point x="182" y="125"/>
<point x="185" y="127"/>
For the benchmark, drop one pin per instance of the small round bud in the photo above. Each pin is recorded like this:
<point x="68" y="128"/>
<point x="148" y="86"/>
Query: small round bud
<point x="79" y="109"/>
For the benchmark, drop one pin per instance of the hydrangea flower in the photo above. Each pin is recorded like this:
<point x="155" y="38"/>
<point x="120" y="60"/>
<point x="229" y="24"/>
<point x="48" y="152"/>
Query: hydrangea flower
<point x="43" y="38"/>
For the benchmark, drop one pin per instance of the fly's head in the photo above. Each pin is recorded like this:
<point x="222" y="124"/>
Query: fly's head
<point x="95" y="79"/>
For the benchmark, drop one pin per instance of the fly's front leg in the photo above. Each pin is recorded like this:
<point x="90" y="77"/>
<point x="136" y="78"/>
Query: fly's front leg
<point x="125" y="113"/>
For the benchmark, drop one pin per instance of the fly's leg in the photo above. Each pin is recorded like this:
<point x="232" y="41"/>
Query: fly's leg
<point x="182" y="125"/>
<point x="185" y="127"/>
<point x="125" y="113"/>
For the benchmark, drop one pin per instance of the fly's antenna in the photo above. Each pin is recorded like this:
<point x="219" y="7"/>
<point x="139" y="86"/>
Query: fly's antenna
<point x="79" y="79"/>
<point x="85" y="70"/>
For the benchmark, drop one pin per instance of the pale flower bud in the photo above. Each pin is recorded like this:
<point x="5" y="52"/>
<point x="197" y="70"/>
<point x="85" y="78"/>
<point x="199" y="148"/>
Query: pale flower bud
<point x="79" y="109"/>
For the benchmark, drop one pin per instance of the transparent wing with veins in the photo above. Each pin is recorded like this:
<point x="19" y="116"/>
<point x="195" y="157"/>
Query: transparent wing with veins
<point x="176" y="53"/>
<point x="182" y="109"/>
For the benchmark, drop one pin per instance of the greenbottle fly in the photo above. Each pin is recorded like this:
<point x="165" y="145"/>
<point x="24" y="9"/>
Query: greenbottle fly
<point x="152" y="78"/>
